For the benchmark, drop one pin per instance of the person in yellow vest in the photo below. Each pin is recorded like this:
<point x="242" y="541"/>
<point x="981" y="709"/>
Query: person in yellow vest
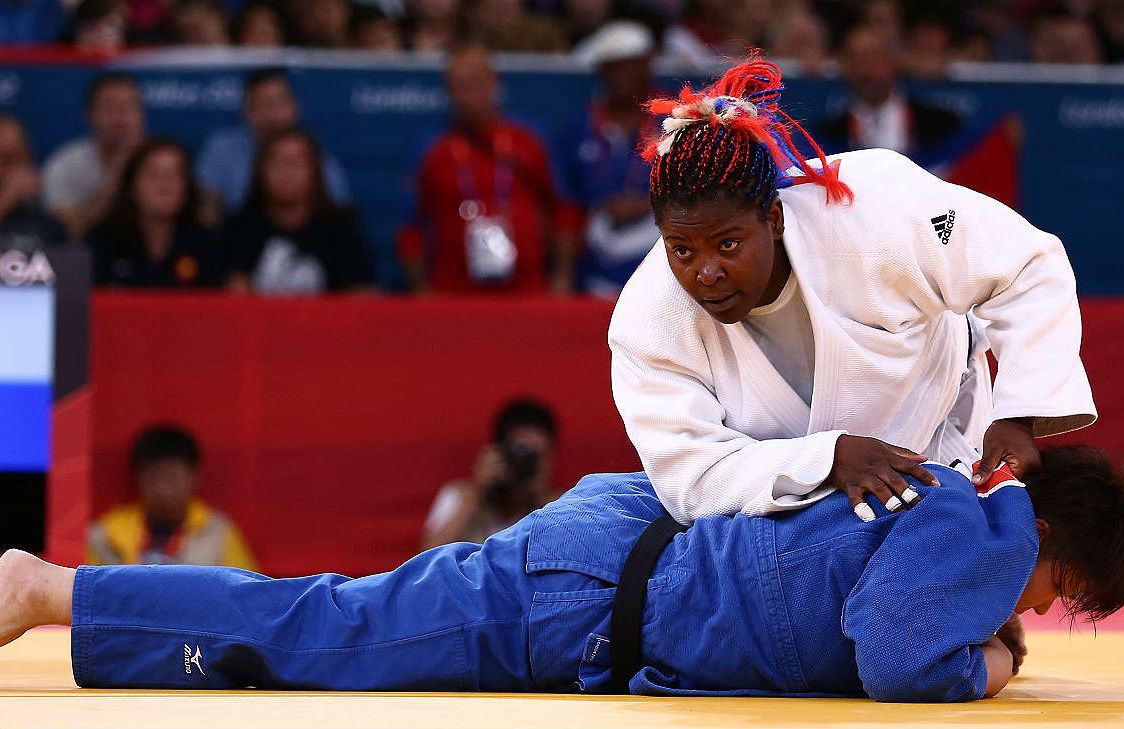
<point x="168" y="524"/>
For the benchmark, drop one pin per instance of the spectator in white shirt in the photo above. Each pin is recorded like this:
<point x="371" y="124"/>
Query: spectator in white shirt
<point x="81" y="178"/>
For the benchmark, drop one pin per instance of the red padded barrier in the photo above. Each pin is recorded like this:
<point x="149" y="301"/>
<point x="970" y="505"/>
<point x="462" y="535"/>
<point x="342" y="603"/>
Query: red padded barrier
<point x="329" y="424"/>
<point x="68" y="484"/>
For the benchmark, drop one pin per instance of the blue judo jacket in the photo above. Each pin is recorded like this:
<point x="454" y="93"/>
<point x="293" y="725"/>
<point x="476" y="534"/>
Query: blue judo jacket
<point x="809" y="603"/>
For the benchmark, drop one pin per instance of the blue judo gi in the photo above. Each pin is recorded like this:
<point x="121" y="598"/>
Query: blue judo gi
<point x="807" y="603"/>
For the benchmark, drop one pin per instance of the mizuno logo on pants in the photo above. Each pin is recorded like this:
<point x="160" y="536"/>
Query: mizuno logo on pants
<point x="190" y="660"/>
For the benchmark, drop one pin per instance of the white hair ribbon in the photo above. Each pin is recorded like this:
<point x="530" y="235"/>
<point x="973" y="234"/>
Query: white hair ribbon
<point x="723" y="109"/>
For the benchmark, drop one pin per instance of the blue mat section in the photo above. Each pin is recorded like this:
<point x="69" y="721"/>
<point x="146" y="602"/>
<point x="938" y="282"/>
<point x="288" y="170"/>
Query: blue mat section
<point x="25" y="426"/>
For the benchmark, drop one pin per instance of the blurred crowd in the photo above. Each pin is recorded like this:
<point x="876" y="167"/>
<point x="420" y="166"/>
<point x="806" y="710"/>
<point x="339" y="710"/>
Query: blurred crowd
<point x="928" y="32"/>
<point x="261" y="208"/>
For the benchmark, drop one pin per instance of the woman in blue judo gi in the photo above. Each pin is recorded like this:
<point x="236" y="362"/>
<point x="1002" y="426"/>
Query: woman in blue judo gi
<point x="806" y="603"/>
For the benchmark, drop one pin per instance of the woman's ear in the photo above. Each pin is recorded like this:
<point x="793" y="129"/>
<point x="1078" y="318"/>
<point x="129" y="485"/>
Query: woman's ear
<point x="776" y="218"/>
<point x="1043" y="528"/>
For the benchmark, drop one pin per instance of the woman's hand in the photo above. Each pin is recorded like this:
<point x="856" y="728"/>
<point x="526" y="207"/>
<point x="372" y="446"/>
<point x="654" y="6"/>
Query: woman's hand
<point x="1000" y="665"/>
<point x="870" y="466"/>
<point x="1014" y="637"/>
<point x="1011" y="441"/>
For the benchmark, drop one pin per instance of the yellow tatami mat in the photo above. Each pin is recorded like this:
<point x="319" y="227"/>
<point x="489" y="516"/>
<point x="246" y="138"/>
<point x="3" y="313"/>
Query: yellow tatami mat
<point x="1068" y="681"/>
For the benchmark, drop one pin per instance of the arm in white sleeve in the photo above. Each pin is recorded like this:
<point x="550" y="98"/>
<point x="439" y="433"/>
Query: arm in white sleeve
<point x="60" y="191"/>
<point x="697" y="465"/>
<point x="1017" y="278"/>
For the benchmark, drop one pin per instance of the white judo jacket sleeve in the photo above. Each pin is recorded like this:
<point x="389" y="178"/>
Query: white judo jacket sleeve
<point x="1012" y="276"/>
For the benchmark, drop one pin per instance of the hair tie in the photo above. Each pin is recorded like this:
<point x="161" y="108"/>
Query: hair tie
<point x="719" y="110"/>
<point x="744" y="101"/>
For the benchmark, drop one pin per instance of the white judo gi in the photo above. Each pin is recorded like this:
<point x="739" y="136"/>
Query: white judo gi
<point x="891" y="283"/>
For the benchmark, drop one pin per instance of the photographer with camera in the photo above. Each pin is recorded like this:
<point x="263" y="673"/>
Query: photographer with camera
<point x="512" y="478"/>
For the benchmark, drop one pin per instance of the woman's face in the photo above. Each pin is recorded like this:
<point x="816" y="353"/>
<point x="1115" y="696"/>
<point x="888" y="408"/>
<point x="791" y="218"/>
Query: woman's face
<point x="160" y="187"/>
<point x="289" y="172"/>
<point x="723" y="254"/>
<point x="1041" y="590"/>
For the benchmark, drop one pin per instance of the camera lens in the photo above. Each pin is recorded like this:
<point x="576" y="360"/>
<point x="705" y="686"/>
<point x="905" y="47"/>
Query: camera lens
<point x="523" y="461"/>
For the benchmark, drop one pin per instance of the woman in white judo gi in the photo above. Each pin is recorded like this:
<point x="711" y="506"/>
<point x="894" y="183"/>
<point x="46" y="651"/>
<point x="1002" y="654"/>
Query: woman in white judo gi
<point x="803" y="326"/>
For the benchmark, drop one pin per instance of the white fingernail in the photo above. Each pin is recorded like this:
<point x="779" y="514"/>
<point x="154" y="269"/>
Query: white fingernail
<point x="893" y="503"/>
<point x="909" y="496"/>
<point x="864" y="512"/>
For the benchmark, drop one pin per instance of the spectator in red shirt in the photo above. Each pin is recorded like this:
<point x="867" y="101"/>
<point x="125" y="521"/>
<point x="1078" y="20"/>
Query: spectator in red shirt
<point x="488" y="215"/>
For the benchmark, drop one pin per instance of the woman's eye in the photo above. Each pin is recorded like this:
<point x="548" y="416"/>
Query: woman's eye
<point x="680" y="252"/>
<point x="729" y="244"/>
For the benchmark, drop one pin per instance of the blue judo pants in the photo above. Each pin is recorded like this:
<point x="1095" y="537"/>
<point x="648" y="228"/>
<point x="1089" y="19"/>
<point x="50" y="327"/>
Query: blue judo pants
<point x="456" y="618"/>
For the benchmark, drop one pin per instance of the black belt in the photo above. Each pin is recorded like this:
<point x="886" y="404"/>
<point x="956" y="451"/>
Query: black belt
<point x="628" y="605"/>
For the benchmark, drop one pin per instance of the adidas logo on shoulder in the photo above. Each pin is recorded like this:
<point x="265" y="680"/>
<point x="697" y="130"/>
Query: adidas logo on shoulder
<point x="942" y="225"/>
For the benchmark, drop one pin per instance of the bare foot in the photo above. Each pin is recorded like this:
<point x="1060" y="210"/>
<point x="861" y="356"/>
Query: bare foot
<point x="32" y="593"/>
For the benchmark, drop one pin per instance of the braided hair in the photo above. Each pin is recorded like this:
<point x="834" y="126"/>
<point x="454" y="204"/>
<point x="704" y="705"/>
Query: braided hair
<point x="732" y="140"/>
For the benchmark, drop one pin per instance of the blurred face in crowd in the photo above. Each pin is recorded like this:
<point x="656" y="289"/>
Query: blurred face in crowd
<point x="715" y="12"/>
<point x="261" y="28"/>
<point x="749" y="20"/>
<point x="431" y="10"/>
<point x="884" y="17"/>
<point x="803" y="37"/>
<point x="1065" y="40"/>
<point x="166" y="488"/>
<point x="993" y="16"/>
<point x="105" y="34"/>
<point x="13" y="150"/>
<point x="473" y="86"/>
<point x="1111" y="18"/>
<point x="270" y="107"/>
<point x="117" y="116"/>
<point x="289" y="171"/>
<point x="378" y="34"/>
<point x="931" y="36"/>
<point x="160" y="187"/>
<point x="326" y="22"/>
<point x="587" y="15"/>
<point x="869" y="67"/>
<point x="495" y="16"/>
<point x="930" y="48"/>
<point x="200" y="24"/>
<point x="627" y="81"/>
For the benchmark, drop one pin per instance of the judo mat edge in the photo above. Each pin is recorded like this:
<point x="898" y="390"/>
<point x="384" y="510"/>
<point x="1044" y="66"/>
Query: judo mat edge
<point x="1069" y="680"/>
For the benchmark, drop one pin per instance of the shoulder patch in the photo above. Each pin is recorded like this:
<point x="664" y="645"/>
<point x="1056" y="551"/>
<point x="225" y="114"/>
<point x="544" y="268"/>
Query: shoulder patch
<point x="1001" y="477"/>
